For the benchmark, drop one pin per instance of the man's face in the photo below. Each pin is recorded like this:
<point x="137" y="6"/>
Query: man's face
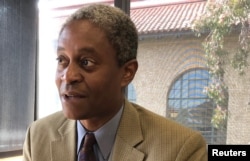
<point x="88" y="77"/>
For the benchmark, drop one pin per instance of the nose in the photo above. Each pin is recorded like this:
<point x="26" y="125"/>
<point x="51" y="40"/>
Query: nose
<point x="72" y="74"/>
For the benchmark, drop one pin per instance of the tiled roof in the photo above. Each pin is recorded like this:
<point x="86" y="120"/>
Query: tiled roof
<point x="161" y="19"/>
<point x="166" y="18"/>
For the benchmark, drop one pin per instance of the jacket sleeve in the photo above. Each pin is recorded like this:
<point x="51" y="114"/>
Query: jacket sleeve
<point x="194" y="149"/>
<point x="26" y="147"/>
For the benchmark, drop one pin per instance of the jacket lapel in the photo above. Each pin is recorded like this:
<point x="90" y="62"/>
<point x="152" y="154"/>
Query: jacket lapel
<point x="129" y="135"/>
<point x="64" y="148"/>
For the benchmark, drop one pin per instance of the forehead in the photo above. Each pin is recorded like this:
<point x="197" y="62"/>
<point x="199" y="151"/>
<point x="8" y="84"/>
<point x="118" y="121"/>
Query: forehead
<point x="82" y="31"/>
<point x="78" y="27"/>
<point x="83" y="34"/>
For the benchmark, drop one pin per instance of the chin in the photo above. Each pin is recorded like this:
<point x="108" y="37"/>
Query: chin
<point x="73" y="115"/>
<point x="70" y="114"/>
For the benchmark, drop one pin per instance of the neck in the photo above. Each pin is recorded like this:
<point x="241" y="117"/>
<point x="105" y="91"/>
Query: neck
<point x="94" y="123"/>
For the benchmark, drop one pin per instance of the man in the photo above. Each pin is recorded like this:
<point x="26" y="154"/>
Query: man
<point x="96" y="56"/>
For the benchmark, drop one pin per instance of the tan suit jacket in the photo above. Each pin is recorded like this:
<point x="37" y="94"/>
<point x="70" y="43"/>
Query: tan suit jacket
<point x="141" y="136"/>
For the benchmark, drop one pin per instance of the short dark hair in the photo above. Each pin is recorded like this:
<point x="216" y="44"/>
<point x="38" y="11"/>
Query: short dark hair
<point x="116" y="24"/>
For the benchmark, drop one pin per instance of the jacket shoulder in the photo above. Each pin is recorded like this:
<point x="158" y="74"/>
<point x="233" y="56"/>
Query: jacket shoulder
<point x="168" y="138"/>
<point x="49" y="125"/>
<point x="151" y="121"/>
<point x="53" y="119"/>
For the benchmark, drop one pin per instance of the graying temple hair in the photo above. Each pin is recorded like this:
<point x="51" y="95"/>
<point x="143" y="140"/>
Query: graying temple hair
<point x="118" y="27"/>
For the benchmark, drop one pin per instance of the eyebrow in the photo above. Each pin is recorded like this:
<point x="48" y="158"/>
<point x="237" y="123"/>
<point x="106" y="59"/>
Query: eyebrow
<point x="89" y="50"/>
<point x="59" y="48"/>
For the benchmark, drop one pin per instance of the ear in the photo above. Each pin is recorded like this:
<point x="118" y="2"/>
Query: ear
<point x="129" y="70"/>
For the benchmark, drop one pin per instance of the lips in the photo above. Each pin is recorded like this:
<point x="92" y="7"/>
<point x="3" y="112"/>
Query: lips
<point x="72" y="95"/>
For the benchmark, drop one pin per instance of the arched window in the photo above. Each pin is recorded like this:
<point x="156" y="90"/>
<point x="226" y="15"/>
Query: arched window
<point x="190" y="106"/>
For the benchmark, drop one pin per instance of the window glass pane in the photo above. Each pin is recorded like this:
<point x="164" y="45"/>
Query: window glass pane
<point x="192" y="107"/>
<point x="131" y="93"/>
<point x="184" y="93"/>
<point x="185" y="83"/>
<point x="18" y="46"/>
<point x="177" y="85"/>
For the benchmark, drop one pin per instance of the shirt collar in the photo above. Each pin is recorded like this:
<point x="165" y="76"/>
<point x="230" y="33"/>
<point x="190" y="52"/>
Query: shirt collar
<point x="105" y="135"/>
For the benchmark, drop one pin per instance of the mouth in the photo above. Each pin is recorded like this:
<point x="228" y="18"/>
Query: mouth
<point x="73" y="95"/>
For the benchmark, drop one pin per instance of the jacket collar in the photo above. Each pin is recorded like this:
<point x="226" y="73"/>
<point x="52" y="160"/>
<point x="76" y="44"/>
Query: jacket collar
<point x="129" y="135"/>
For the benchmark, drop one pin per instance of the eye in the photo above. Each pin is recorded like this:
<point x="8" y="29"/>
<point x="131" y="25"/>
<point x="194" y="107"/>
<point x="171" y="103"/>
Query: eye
<point x="61" y="60"/>
<point x="86" y="62"/>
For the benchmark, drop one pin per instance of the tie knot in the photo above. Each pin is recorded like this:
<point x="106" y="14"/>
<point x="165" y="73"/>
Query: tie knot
<point x="89" y="140"/>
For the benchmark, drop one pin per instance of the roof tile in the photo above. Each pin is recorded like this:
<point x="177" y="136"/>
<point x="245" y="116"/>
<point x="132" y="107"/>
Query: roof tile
<point x="166" y="18"/>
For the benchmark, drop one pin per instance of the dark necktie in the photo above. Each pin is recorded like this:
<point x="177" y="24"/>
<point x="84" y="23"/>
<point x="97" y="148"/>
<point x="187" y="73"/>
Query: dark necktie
<point x="87" y="152"/>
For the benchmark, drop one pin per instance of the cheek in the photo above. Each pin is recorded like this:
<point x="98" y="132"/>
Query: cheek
<point x="106" y="84"/>
<point x="58" y="80"/>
